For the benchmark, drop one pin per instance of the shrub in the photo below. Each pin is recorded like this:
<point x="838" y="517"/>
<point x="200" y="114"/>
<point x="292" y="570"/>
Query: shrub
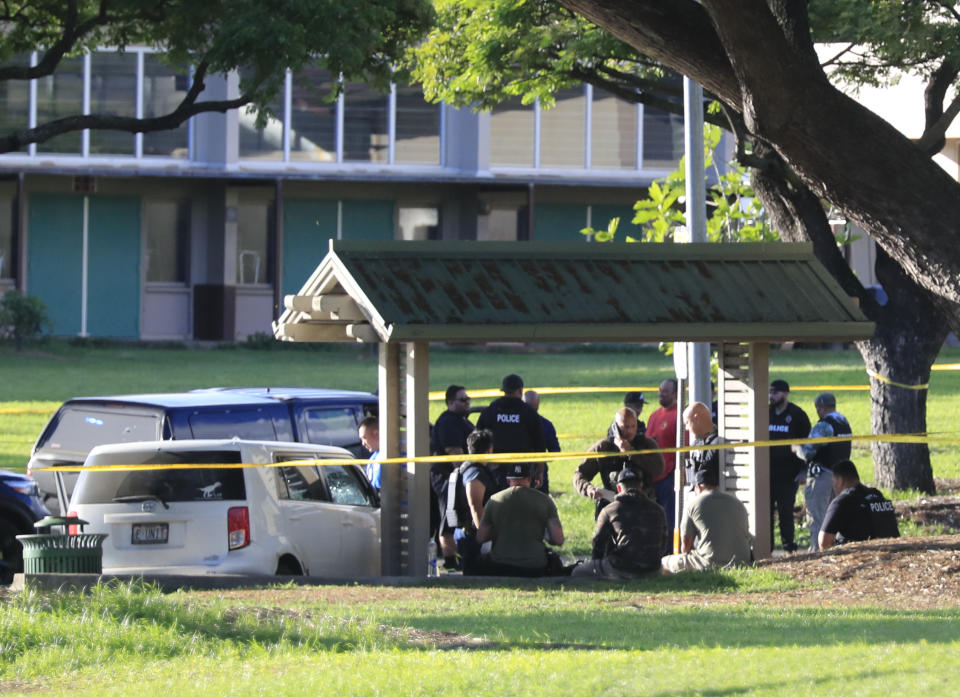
<point x="22" y="317"/>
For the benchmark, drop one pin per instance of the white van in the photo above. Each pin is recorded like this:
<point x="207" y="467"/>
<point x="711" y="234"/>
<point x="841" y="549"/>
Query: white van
<point x="296" y="518"/>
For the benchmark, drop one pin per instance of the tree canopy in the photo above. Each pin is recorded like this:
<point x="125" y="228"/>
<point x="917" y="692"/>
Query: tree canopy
<point x="361" y="40"/>
<point x="758" y="58"/>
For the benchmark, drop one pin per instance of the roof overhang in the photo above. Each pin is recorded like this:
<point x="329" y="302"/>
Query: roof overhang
<point x="570" y="292"/>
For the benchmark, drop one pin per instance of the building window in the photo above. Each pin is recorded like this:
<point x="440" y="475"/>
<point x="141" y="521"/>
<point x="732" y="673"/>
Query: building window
<point x="113" y="91"/>
<point x="511" y="134"/>
<point x="168" y="241"/>
<point x="613" y="143"/>
<point x="254" y="243"/>
<point x="418" y="127"/>
<point x="313" y="119"/>
<point x="15" y="100"/>
<point x="59" y="95"/>
<point x="563" y="130"/>
<point x="365" y="124"/>
<point x="264" y="143"/>
<point x="662" y="138"/>
<point x="418" y="223"/>
<point x="164" y="87"/>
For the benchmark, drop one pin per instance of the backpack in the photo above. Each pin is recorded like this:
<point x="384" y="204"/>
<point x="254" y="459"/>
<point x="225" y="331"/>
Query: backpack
<point x="458" y="509"/>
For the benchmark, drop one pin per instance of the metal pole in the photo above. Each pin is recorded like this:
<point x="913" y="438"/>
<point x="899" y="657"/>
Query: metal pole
<point x="696" y="220"/>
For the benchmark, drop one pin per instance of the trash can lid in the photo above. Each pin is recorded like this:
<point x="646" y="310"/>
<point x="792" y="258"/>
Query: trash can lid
<point x="52" y="520"/>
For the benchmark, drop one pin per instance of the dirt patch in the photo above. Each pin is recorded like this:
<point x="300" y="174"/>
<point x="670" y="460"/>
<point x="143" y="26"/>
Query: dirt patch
<point x="916" y="572"/>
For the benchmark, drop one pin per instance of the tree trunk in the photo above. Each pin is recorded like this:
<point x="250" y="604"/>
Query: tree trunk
<point x="911" y="328"/>
<point x="910" y="332"/>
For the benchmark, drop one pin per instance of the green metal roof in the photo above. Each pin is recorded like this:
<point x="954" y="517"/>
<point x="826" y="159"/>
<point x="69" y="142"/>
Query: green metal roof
<point x="528" y="291"/>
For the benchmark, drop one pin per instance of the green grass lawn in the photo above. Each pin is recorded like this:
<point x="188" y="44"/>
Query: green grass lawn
<point x="686" y="635"/>
<point x="501" y="640"/>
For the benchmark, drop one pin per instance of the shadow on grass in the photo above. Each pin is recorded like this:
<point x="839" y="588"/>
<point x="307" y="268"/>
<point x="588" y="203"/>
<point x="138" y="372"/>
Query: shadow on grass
<point x="653" y="627"/>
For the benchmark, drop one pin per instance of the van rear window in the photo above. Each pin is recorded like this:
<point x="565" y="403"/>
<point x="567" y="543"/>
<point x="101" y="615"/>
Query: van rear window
<point x="168" y="485"/>
<point x="79" y="429"/>
<point x="251" y="424"/>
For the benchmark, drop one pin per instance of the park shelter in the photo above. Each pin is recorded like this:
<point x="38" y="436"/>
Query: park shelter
<point x="404" y="295"/>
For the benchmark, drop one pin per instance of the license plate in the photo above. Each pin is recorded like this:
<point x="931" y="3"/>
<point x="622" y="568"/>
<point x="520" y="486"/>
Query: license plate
<point x="149" y="534"/>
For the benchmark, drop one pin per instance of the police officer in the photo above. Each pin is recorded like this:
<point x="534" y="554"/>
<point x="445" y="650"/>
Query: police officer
<point x="787" y="422"/>
<point x="858" y="512"/>
<point x="821" y="458"/>
<point x="516" y="427"/>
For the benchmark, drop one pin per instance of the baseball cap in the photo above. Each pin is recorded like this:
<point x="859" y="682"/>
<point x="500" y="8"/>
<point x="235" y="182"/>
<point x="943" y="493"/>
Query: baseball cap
<point x="780" y="386"/>
<point x="632" y="398"/>
<point x="708" y="476"/>
<point x="512" y="383"/>
<point x="825" y="399"/>
<point x="518" y="470"/>
<point x="628" y="475"/>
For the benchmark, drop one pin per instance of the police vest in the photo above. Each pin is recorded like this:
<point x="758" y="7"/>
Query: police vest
<point x="832" y="453"/>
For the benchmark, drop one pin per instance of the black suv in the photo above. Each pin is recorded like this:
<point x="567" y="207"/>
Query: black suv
<point x="20" y="507"/>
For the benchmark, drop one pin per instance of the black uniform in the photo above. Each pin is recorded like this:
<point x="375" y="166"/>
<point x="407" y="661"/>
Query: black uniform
<point x="791" y="424"/>
<point x="703" y="459"/>
<point x="516" y="429"/>
<point x="860" y="513"/>
<point x="450" y="431"/>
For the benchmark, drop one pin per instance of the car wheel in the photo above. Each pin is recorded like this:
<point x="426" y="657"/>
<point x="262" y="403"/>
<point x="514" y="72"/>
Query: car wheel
<point x="289" y="566"/>
<point x="11" y="552"/>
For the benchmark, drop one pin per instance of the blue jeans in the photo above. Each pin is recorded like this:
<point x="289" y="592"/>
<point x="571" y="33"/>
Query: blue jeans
<point x="665" y="497"/>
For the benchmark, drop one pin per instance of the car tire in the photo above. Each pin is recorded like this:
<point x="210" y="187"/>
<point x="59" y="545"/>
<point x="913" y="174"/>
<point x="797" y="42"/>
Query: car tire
<point x="11" y="552"/>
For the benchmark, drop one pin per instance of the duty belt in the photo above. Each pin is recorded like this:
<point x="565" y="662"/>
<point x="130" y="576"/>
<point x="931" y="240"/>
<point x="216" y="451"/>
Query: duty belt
<point x="815" y="470"/>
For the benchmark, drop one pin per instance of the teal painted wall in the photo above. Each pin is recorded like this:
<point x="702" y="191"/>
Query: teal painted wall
<point x="368" y="220"/>
<point x="113" y="267"/>
<point x="559" y="222"/>
<point x="604" y="212"/>
<point x="55" y="249"/>
<point x="308" y="224"/>
<point x="55" y="262"/>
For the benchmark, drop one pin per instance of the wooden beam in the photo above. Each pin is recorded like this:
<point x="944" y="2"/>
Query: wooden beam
<point x="417" y="369"/>
<point x="363" y="332"/>
<point x="339" y="306"/>
<point x="314" y="332"/>
<point x="393" y="486"/>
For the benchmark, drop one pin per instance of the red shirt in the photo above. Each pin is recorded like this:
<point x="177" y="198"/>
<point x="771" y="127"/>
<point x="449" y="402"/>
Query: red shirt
<point x="662" y="427"/>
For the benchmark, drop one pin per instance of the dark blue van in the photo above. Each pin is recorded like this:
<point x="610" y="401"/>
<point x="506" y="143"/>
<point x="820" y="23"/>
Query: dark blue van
<point x="326" y="417"/>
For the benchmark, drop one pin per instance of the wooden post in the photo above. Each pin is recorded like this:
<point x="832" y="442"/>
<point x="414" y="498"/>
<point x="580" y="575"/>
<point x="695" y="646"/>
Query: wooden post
<point x="391" y="481"/>
<point x="760" y="489"/>
<point x="418" y="443"/>
<point x="744" y="415"/>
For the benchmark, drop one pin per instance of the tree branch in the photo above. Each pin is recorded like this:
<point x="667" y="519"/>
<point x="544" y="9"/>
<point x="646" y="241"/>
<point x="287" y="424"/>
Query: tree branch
<point x="188" y="107"/>
<point x="678" y="33"/>
<point x="938" y="119"/>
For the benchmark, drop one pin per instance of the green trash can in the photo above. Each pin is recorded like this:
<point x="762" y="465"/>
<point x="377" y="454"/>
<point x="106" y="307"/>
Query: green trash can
<point x="47" y="553"/>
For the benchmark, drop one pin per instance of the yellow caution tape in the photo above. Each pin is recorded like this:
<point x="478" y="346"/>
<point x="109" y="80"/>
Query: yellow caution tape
<point x="888" y="381"/>
<point x="519" y="457"/>
<point x="945" y="366"/>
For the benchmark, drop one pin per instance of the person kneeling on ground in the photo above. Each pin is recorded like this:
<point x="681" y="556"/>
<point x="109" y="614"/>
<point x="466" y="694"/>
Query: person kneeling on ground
<point x="719" y="523"/>
<point x="517" y="520"/>
<point x="858" y="512"/>
<point x="631" y="534"/>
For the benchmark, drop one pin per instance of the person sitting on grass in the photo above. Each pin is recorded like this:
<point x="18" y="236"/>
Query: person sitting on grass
<point x="631" y="534"/>
<point x="858" y="512"/>
<point x="517" y="520"/>
<point x="718" y="522"/>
